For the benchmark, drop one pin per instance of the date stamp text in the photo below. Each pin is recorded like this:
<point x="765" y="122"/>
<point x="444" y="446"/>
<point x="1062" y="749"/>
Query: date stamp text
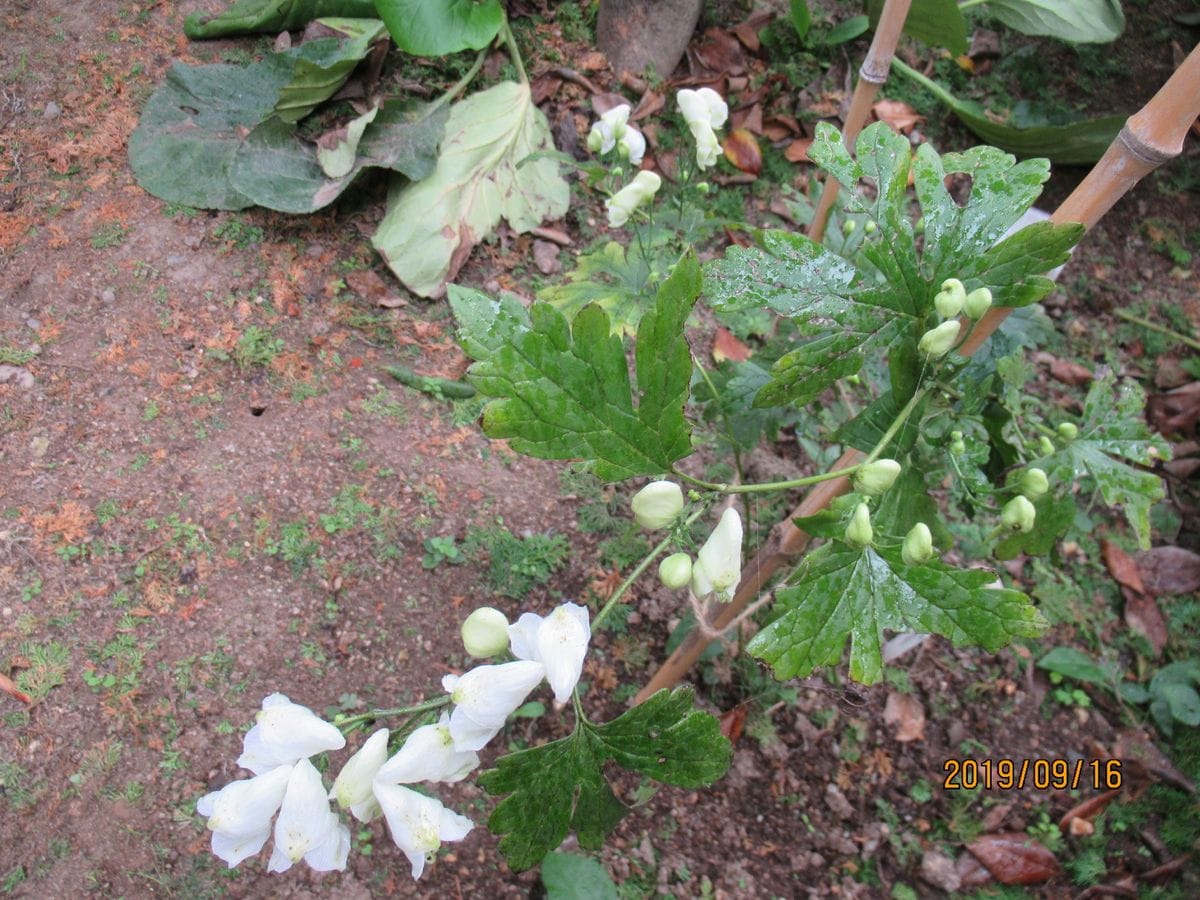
<point x="1040" y="774"/>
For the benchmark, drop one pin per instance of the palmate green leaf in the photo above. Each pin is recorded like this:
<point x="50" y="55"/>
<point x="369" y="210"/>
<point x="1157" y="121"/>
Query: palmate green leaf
<point x="276" y="169"/>
<point x="441" y="27"/>
<point x="612" y="278"/>
<point x="1054" y="517"/>
<point x="1075" y="21"/>
<point x="568" y="876"/>
<point x="1111" y="431"/>
<point x="857" y="595"/>
<point x="939" y="23"/>
<point x="560" y="787"/>
<point x="321" y="66"/>
<point x="484" y="324"/>
<point x="563" y="389"/>
<point x="272" y="16"/>
<point x="431" y="226"/>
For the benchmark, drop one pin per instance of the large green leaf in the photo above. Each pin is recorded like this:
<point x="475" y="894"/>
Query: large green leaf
<point x="193" y="125"/>
<point x="275" y="168"/>
<point x="484" y="324"/>
<point x="563" y="389"/>
<point x="439" y="27"/>
<point x="1111" y="430"/>
<point x="1077" y="143"/>
<point x="612" y="278"/>
<point x="939" y="23"/>
<point x="321" y="66"/>
<point x="560" y="787"/>
<point x="857" y="595"/>
<point x="431" y="226"/>
<point x="567" y="876"/>
<point x="1076" y="21"/>
<point x="253" y="16"/>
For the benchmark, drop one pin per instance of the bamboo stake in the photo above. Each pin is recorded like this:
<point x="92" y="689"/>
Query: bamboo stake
<point x="1150" y="137"/>
<point x="871" y="76"/>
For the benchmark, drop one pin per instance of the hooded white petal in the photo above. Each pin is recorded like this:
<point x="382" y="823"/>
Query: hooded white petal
<point x="622" y="204"/>
<point x="704" y="111"/>
<point x="634" y="143"/>
<point x="484" y="698"/>
<point x="353" y="784"/>
<point x="718" y="567"/>
<point x="285" y="733"/>
<point x="233" y="848"/>
<point x="245" y="807"/>
<point x="562" y="644"/>
<point x="419" y="824"/>
<point x="305" y="820"/>
<point x="428" y="755"/>
<point x="331" y="856"/>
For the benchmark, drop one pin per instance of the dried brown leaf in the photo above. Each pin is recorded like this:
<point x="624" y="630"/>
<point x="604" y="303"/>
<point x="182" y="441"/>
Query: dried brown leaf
<point x="797" y="150"/>
<point x="1087" y="810"/>
<point x="741" y="149"/>
<point x="1121" y="566"/>
<point x="1169" y="570"/>
<point x="898" y="114"/>
<point x="728" y="347"/>
<point x="906" y="715"/>
<point x="1143" y="616"/>
<point x="10" y="687"/>
<point x="1015" y="858"/>
<point x="1068" y="372"/>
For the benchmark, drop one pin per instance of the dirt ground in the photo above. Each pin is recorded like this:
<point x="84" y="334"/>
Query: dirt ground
<point x="166" y="483"/>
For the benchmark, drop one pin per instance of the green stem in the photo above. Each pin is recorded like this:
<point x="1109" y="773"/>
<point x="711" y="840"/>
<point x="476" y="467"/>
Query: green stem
<point x="766" y="486"/>
<point x="350" y="721"/>
<point x="896" y="425"/>
<point x="641" y="567"/>
<point x="514" y="51"/>
<point x="1161" y="329"/>
<point x="461" y="85"/>
<point x="737" y="455"/>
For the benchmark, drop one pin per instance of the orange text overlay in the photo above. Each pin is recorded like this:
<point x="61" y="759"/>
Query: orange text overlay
<point x="1040" y="774"/>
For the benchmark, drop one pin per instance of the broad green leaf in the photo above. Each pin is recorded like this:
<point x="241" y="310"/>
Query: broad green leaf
<point x="1076" y="21"/>
<point x="847" y="30"/>
<point x="193" y="125"/>
<point x="613" y="278"/>
<point x="801" y="374"/>
<point x="323" y="65"/>
<point x="337" y="151"/>
<point x="277" y="169"/>
<point x="1054" y="517"/>
<point x="568" y="876"/>
<point x="1074" y="664"/>
<point x="905" y="504"/>
<point x="560" y="787"/>
<point x="431" y="226"/>
<point x="1111" y="431"/>
<point x="484" y="324"/>
<point x="1078" y="143"/>
<point x="939" y="23"/>
<point x="867" y="429"/>
<point x="858" y="595"/>
<point x="441" y="27"/>
<point x="563" y="389"/>
<point x="272" y="16"/>
<point x="801" y="17"/>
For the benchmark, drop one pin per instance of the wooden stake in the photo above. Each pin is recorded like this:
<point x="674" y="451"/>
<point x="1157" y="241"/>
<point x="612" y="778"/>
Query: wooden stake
<point x="871" y="76"/>
<point x="1152" y="136"/>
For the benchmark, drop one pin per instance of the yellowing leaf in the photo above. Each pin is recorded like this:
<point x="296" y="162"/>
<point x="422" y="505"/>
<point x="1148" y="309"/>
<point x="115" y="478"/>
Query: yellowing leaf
<point x="431" y="226"/>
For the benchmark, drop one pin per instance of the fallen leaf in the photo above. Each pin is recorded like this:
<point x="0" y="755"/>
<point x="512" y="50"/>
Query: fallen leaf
<point x="1134" y="745"/>
<point x="996" y="815"/>
<point x="749" y="118"/>
<point x="741" y="149"/>
<point x="1143" y="616"/>
<point x="797" y="150"/>
<point x="651" y="103"/>
<point x="1068" y="372"/>
<point x="1169" y="570"/>
<point x="1087" y="810"/>
<point x="1121" y="566"/>
<point x="728" y="347"/>
<point x="778" y="127"/>
<point x="718" y="52"/>
<point x="732" y="723"/>
<point x="748" y="35"/>
<point x="10" y="687"/>
<point x="545" y="257"/>
<point x="1177" y="411"/>
<point x="906" y="715"/>
<point x="971" y="872"/>
<point x="1015" y="858"/>
<point x="593" y="61"/>
<point x="898" y="114"/>
<point x="368" y="285"/>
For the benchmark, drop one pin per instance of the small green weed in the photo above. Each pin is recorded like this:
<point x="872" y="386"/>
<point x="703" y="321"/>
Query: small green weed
<point x="108" y="236"/>
<point x="518" y="565"/>
<point x="48" y="664"/>
<point x="442" y="549"/>
<point x="256" y="347"/>
<point x="238" y="233"/>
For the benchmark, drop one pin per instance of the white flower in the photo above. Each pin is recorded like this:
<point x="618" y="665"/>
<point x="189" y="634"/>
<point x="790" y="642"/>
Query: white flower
<point x="704" y="111"/>
<point x="485" y="696"/>
<point x="559" y="642"/>
<point x="428" y="755"/>
<point x="284" y="734"/>
<point x="718" y="567"/>
<point x="352" y="788"/>
<point x="239" y="815"/>
<point x="307" y="828"/>
<point x="613" y="128"/>
<point x="633" y="145"/>
<point x="622" y="204"/>
<point x="419" y="824"/>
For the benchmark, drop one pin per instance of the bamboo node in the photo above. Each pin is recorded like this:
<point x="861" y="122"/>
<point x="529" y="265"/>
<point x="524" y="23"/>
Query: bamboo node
<point x="874" y="71"/>
<point x="1147" y="153"/>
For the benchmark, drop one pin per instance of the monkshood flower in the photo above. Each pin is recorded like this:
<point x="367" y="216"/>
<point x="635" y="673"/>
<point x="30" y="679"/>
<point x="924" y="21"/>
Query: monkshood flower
<point x="559" y="642"/>
<point x="613" y="128"/>
<point x="718" y="566"/>
<point x="239" y="815"/>
<point x="485" y="696"/>
<point x="428" y="755"/>
<point x="704" y="111"/>
<point x="621" y="205"/>
<point x="286" y="733"/>
<point x="418" y="823"/>
<point x="307" y="828"/>
<point x="352" y="788"/>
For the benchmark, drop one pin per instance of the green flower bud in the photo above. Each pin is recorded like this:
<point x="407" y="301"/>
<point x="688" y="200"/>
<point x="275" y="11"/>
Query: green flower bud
<point x="1018" y="515"/>
<point x="1045" y="446"/>
<point x="918" y="545"/>
<point x="859" y="532"/>
<point x="938" y="341"/>
<point x="870" y="227"/>
<point x="703" y="187"/>
<point x="675" y="571"/>
<point x="1068" y="431"/>
<point x="657" y="504"/>
<point x="1033" y="483"/>
<point x="977" y="303"/>
<point x="949" y="301"/>
<point x="956" y="435"/>
<point x="958" y="448"/>
<point x="595" y="140"/>
<point x="617" y="171"/>
<point x="875" y="478"/>
<point x="485" y="632"/>
<point x="848" y="227"/>
<point x="919" y="226"/>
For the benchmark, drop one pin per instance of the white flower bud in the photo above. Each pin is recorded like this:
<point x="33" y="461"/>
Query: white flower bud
<point x="978" y="302"/>
<point x="918" y="545"/>
<point x="859" y="532"/>
<point x="485" y="632"/>
<point x="1032" y="483"/>
<point x="1068" y="431"/>
<point x="1018" y="515"/>
<point x="875" y="478"/>
<point x="949" y="301"/>
<point x="675" y="571"/>
<point x="938" y="341"/>
<point x="1046" y="446"/>
<point x="657" y="504"/>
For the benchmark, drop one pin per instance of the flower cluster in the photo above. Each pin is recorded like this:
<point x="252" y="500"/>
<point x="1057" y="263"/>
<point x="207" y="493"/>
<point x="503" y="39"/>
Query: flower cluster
<point x="279" y="748"/>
